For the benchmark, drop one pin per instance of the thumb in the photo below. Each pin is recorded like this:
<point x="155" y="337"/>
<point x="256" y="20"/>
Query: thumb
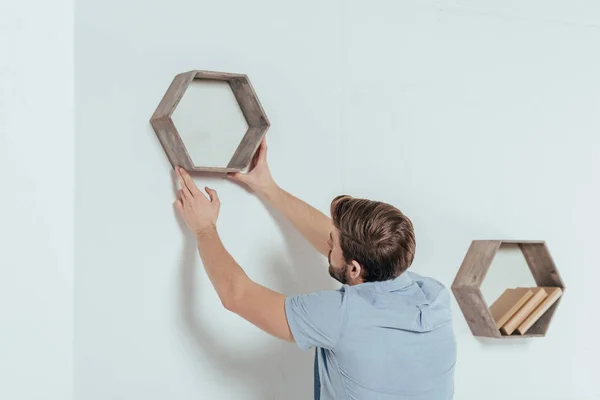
<point x="262" y="152"/>
<point x="238" y="176"/>
<point x="214" y="197"/>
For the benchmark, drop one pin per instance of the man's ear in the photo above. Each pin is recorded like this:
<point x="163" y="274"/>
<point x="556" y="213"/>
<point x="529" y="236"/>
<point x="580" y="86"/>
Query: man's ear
<point x="356" y="270"/>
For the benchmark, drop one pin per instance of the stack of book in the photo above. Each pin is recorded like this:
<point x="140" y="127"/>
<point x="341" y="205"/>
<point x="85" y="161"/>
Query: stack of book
<point x="518" y="309"/>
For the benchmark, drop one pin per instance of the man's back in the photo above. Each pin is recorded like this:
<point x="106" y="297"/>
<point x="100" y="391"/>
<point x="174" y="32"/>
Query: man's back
<point x="376" y="337"/>
<point x="379" y="340"/>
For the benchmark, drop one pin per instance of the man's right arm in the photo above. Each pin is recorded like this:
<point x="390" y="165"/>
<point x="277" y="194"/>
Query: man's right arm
<point x="310" y="222"/>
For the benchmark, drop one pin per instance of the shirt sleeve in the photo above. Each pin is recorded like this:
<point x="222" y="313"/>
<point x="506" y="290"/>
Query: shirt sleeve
<point x="317" y="319"/>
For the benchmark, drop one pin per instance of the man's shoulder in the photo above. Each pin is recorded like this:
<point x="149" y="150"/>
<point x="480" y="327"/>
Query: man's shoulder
<point x="413" y="303"/>
<point x="427" y="282"/>
<point x="424" y="278"/>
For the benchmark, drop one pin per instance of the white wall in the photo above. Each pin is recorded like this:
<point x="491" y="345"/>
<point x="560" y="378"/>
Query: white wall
<point x="148" y="323"/>
<point x="475" y="118"/>
<point x="36" y="202"/>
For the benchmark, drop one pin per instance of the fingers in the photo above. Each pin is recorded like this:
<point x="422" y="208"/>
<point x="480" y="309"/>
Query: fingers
<point x="179" y="206"/>
<point x="212" y="194"/>
<point x="259" y="158"/>
<point x="237" y="176"/>
<point x="190" y="191"/>
<point x="184" y="192"/>
<point x="262" y="151"/>
<point x="187" y="182"/>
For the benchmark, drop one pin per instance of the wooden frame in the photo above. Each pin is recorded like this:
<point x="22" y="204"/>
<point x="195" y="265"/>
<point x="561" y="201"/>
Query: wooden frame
<point x="171" y="141"/>
<point x="467" y="284"/>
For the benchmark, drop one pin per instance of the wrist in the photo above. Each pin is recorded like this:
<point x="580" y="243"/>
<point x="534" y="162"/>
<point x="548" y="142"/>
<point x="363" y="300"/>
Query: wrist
<point x="268" y="192"/>
<point x="206" y="231"/>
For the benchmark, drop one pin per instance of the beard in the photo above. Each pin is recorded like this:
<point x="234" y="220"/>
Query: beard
<point x="339" y="274"/>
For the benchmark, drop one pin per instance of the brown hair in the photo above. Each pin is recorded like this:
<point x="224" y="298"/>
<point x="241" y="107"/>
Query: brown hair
<point x="376" y="235"/>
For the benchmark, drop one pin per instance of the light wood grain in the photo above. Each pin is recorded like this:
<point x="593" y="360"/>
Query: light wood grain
<point x="473" y="270"/>
<point x="245" y="151"/>
<point x="171" y="143"/>
<point x="539" y="294"/>
<point x="249" y="103"/>
<point x="476" y="263"/>
<point x="476" y="312"/>
<point x="541" y="325"/>
<point x="541" y="264"/>
<point x="553" y="295"/>
<point x="173" y="95"/>
<point x="523" y="242"/>
<point x="508" y="304"/>
<point x="218" y="76"/>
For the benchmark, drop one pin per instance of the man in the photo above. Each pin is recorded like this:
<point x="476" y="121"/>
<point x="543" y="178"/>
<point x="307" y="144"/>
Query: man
<point x="385" y="334"/>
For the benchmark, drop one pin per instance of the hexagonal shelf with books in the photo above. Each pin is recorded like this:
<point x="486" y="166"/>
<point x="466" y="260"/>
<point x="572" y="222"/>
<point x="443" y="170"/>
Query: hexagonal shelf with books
<point x="519" y="312"/>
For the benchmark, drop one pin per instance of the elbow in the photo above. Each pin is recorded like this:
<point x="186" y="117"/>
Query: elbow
<point x="229" y="303"/>
<point x="230" y="299"/>
<point x="232" y="294"/>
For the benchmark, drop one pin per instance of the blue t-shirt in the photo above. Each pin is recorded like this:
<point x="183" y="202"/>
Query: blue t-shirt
<point x="378" y="340"/>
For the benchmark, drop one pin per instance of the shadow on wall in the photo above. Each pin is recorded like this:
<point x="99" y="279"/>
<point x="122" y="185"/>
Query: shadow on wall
<point x="294" y="368"/>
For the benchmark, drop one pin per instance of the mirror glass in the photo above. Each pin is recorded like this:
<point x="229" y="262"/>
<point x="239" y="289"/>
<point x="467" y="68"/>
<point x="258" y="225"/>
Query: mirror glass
<point x="210" y="122"/>
<point x="508" y="270"/>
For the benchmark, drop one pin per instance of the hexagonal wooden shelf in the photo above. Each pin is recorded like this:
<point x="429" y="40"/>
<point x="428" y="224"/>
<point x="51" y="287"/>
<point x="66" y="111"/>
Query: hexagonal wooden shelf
<point x="246" y="97"/>
<point x="467" y="284"/>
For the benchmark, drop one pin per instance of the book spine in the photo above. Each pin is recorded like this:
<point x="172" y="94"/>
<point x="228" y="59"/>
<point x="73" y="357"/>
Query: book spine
<point x="525" y="294"/>
<point x="553" y="296"/>
<point x="516" y="320"/>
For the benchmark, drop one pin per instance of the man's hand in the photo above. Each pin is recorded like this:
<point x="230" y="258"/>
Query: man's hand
<point x="238" y="293"/>
<point x="199" y="212"/>
<point x="259" y="178"/>
<point x="310" y="222"/>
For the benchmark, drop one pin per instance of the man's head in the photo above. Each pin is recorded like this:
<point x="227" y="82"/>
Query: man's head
<point x="371" y="241"/>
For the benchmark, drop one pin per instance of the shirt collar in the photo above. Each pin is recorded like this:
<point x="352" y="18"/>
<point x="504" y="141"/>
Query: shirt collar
<point x="400" y="282"/>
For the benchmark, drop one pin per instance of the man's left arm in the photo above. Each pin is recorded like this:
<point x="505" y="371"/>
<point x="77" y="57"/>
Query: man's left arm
<point x="257" y="304"/>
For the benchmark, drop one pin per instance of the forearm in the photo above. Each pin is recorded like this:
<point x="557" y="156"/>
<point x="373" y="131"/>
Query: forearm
<point x="223" y="271"/>
<point x="257" y="304"/>
<point x="310" y="222"/>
